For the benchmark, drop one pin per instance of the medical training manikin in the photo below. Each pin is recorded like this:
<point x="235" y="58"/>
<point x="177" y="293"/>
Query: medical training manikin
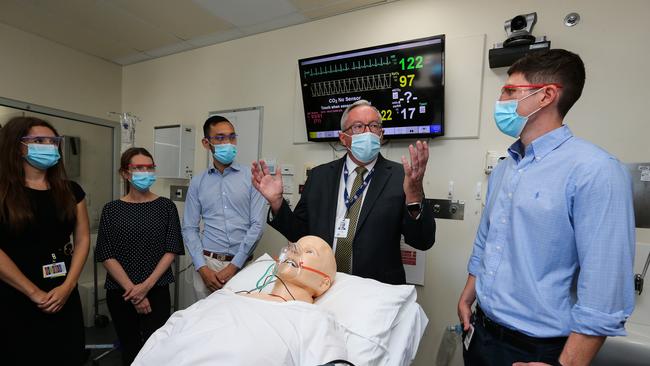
<point x="254" y="328"/>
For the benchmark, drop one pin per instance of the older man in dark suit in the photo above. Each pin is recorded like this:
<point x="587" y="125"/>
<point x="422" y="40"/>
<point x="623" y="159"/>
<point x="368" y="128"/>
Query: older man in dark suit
<point x="360" y="204"/>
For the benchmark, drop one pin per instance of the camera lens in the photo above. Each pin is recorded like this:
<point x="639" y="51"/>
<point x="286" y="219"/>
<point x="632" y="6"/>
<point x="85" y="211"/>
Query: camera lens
<point x="518" y="23"/>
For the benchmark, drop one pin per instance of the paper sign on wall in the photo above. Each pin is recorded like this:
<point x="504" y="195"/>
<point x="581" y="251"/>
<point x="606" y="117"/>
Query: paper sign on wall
<point x="414" y="262"/>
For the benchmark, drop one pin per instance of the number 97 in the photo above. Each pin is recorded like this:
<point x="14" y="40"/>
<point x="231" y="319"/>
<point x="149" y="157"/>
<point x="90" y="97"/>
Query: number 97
<point x="406" y="80"/>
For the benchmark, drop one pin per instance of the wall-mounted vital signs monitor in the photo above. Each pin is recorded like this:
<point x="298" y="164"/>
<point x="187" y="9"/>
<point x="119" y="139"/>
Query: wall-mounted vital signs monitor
<point x="404" y="81"/>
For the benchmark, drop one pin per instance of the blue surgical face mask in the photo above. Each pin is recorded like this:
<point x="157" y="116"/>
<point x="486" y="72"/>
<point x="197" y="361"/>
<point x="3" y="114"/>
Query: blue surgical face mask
<point x="142" y="181"/>
<point x="365" y="146"/>
<point x="225" y="153"/>
<point x="42" y="156"/>
<point x="507" y="118"/>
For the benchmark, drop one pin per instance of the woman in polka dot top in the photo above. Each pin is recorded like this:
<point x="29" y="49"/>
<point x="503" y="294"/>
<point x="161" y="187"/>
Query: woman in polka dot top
<point x="138" y="239"/>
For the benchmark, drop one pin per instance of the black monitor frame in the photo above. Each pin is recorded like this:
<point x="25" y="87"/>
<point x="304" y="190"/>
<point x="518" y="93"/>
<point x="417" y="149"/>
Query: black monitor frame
<point x="329" y="83"/>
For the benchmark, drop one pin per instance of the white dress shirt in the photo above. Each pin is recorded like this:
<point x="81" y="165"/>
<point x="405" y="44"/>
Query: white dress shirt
<point x="341" y="208"/>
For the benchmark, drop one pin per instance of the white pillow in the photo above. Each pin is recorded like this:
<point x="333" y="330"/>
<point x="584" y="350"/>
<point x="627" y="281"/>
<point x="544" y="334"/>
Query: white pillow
<point x="366" y="307"/>
<point x="368" y="310"/>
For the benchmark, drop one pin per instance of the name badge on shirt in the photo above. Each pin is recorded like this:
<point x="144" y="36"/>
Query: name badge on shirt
<point x="342" y="228"/>
<point x="54" y="270"/>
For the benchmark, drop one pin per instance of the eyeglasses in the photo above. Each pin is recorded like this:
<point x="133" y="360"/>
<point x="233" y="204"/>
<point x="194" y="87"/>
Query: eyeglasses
<point x="222" y="139"/>
<point x="142" y="167"/>
<point x="358" y="127"/>
<point x="510" y="89"/>
<point x="45" y="140"/>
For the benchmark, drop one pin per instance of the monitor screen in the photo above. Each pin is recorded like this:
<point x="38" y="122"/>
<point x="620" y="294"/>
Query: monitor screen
<point x="403" y="80"/>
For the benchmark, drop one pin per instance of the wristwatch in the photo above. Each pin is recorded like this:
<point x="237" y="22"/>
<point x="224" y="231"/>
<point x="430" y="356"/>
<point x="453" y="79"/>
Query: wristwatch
<point x="415" y="209"/>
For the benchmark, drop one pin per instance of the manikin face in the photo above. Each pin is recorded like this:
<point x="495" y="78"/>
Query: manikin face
<point x="308" y="263"/>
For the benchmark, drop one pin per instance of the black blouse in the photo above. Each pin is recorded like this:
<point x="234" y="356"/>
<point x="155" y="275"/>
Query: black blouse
<point x="60" y="336"/>
<point x="137" y="235"/>
<point x="45" y="236"/>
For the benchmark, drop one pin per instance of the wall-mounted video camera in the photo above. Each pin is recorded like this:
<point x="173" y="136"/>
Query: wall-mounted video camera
<point x="519" y="30"/>
<point x="519" y="42"/>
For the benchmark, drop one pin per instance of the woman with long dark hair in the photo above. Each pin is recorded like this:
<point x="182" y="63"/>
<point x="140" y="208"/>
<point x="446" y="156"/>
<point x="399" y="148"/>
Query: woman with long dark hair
<point x="42" y="321"/>
<point x="139" y="237"/>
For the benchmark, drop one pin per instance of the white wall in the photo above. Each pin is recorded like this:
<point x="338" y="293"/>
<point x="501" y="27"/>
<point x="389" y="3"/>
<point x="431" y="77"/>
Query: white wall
<point x="260" y="71"/>
<point x="38" y="71"/>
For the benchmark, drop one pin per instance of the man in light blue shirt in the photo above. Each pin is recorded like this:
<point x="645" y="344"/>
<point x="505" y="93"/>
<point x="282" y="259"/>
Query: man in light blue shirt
<point x="231" y="209"/>
<point x="553" y="258"/>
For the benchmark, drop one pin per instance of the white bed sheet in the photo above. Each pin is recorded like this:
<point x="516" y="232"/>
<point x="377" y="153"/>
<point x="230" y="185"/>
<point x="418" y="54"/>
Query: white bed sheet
<point x="406" y="335"/>
<point x="230" y="329"/>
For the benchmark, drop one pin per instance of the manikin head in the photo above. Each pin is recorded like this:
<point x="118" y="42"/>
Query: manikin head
<point x="307" y="266"/>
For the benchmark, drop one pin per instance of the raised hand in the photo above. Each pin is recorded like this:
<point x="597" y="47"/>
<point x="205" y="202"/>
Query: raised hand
<point x="268" y="185"/>
<point x="414" y="169"/>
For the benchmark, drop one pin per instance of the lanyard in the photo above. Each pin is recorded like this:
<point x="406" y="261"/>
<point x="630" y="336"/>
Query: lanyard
<point x="349" y="201"/>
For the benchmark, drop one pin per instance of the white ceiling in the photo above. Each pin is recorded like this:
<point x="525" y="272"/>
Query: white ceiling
<point x="130" y="31"/>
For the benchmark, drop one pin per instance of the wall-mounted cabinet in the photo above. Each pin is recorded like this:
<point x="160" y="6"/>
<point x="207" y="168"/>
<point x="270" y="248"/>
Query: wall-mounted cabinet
<point x="173" y="151"/>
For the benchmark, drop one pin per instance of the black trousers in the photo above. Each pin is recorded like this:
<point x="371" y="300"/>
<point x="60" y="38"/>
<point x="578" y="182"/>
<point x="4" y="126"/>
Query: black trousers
<point x="134" y="329"/>
<point x="492" y="346"/>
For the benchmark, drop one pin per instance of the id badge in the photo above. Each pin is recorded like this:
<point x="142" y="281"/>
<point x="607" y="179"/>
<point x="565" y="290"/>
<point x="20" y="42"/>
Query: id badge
<point x="54" y="270"/>
<point x="342" y="228"/>
<point x="468" y="337"/>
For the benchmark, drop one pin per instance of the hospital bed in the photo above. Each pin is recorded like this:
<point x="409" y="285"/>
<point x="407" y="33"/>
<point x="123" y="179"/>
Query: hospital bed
<point x="383" y="324"/>
<point x="379" y="324"/>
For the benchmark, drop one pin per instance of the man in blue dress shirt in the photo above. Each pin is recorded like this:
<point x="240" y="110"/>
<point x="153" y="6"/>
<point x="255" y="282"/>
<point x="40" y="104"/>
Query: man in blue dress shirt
<point x="231" y="209"/>
<point x="553" y="257"/>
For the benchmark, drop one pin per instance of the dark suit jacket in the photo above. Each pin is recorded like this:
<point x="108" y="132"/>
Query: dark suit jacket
<point x="382" y="221"/>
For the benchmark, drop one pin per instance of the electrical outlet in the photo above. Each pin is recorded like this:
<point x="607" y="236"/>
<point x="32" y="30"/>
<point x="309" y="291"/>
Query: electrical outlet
<point x="178" y="193"/>
<point x="288" y="169"/>
<point x="491" y="160"/>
